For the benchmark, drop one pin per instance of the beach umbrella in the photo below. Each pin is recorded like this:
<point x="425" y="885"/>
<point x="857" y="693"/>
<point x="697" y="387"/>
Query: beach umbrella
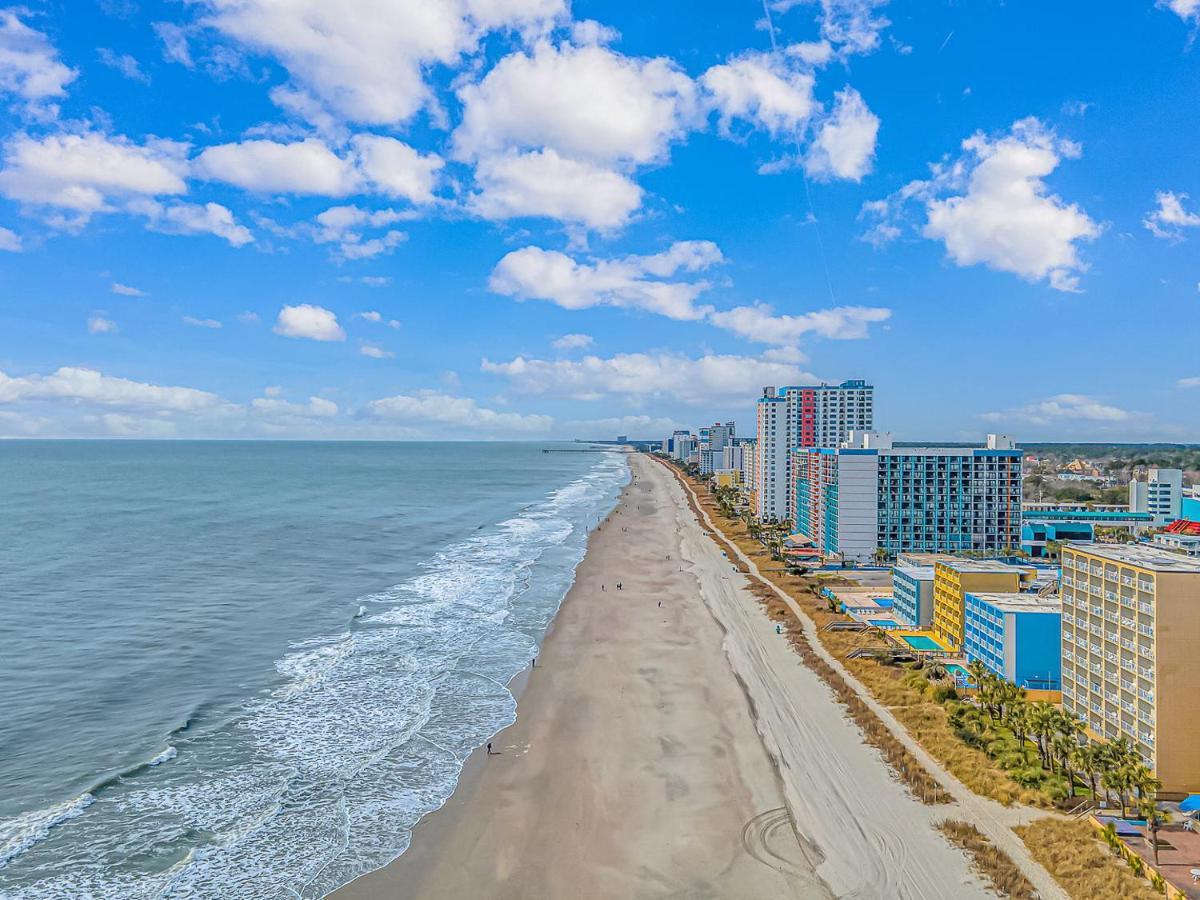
<point x="1191" y="804"/>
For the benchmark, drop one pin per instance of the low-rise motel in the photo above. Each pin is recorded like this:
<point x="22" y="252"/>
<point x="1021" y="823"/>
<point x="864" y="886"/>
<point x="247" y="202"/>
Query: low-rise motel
<point x="1131" y="618"/>
<point x="1016" y="636"/>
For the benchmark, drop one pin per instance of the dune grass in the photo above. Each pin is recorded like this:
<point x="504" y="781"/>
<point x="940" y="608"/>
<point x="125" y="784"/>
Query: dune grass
<point x="1071" y="851"/>
<point x="989" y="860"/>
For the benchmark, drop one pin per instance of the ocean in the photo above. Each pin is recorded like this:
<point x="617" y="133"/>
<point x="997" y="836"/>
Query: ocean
<point x="246" y="669"/>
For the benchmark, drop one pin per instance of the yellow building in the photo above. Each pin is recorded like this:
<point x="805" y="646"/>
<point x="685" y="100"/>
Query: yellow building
<point x="952" y="579"/>
<point x="1130" y="621"/>
<point x="727" y="478"/>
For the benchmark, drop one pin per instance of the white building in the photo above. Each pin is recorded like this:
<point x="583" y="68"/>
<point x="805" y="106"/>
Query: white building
<point x="1161" y="495"/>
<point x="803" y="416"/>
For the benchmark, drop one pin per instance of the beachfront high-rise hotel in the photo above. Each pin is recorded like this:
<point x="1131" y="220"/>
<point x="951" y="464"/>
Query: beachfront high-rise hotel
<point x="803" y="416"/>
<point x="1130" y="619"/>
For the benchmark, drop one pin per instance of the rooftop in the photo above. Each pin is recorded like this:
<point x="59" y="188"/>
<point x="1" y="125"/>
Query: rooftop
<point x="1140" y="555"/>
<point x="1020" y="603"/>
<point x="920" y="573"/>
<point x="978" y="565"/>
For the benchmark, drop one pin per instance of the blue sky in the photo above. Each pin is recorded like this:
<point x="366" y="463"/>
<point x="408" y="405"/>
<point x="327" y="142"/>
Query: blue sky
<point x="528" y="218"/>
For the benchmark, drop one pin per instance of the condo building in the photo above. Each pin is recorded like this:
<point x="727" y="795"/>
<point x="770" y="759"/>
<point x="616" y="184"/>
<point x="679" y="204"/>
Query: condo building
<point x="912" y="595"/>
<point x="1160" y="495"/>
<point x="713" y="441"/>
<point x="803" y="416"/>
<point x="1016" y="636"/>
<point x="868" y="495"/>
<point x="1130" y="617"/>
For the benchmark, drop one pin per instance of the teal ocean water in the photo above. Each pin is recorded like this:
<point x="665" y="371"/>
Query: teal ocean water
<point x="248" y="669"/>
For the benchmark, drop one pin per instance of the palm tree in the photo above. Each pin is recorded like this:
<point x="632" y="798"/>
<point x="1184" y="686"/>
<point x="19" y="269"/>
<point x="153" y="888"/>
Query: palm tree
<point x="881" y="556"/>
<point x="1017" y="718"/>
<point x="1041" y="723"/>
<point x="1148" y="807"/>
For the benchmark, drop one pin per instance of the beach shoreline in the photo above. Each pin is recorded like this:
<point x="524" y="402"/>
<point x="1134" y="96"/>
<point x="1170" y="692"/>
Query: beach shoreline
<point x="672" y="777"/>
<point x="674" y="750"/>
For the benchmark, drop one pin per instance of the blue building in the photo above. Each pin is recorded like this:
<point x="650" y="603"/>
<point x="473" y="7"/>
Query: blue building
<point x="912" y="595"/>
<point x="1035" y="535"/>
<point x="1190" y="507"/>
<point x="1017" y="636"/>
<point x="869" y="495"/>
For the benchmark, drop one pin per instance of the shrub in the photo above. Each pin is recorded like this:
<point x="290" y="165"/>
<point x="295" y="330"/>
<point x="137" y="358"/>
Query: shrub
<point x="944" y="693"/>
<point x="1028" y="777"/>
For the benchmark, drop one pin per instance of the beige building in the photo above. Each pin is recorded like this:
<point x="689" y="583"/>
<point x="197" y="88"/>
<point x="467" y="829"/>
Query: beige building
<point x="1130" y="624"/>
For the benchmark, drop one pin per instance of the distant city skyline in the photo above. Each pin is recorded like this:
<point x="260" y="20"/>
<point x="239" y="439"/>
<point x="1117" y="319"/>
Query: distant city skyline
<point x="535" y="219"/>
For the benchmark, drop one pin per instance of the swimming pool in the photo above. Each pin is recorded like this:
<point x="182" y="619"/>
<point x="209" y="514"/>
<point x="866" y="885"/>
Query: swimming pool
<point x="881" y="623"/>
<point x="958" y="671"/>
<point x="920" y="642"/>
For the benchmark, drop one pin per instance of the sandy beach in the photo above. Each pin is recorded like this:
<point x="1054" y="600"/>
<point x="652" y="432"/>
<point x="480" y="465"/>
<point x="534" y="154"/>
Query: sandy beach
<point x="673" y="750"/>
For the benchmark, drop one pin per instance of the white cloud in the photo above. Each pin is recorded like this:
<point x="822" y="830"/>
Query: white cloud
<point x="193" y="218"/>
<point x="377" y="317"/>
<point x="85" y="173"/>
<point x="366" y="61"/>
<point x="589" y="31"/>
<point x="315" y="408"/>
<point x="1188" y="10"/>
<point x="395" y="169"/>
<point x="704" y="381"/>
<point x="374" y="164"/>
<point x="10" y="241"/>
<point x="850" y="26"/>
<point x="302" y="167"/>
<point x="29" y="66"/>
<point x="992" y="206"/>
<point x="175" y="43"/>
<point x="87" y="386"/>
<point x="248" y="318"/>
<point x="544" y="184"/>
<point x="1061" y="407"/>
<point x="374" y="351"/>
<point x="127" y="65"/>
<point x="815" y="53"/>
<point x="344" y="226"/>
<point x="1188" y="382"/>
<point x="433" y="407"/>
<point x="1170" y="218"/>
<point x="632" y="281"/>
<point x="635" y="426"/>
<point x="587" y="103"/>
<point x="307" y="321"/>
<point x="375" y="280"/>
<point x="762" y="89"/>
<point x="100" y="325"/>
<point x="126" y="291"/>
<point x="759" y="323"/>
<point x="201" y="323"/>
<point x="573" y="342"/>
<point x="844" y="146"/>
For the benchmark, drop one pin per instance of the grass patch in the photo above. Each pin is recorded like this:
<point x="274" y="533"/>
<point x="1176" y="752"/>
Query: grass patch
<point x="1071" y="851"/>
<point x="989" y="860"/>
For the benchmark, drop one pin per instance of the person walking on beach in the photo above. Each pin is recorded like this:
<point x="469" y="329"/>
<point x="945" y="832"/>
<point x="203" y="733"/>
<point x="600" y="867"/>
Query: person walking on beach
<point x="489" y="753"/>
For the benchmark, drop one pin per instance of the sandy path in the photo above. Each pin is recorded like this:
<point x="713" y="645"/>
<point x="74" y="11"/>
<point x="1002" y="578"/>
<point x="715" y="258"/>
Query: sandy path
<point x="635" y="768"/>
<point x="993" y="819"/>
